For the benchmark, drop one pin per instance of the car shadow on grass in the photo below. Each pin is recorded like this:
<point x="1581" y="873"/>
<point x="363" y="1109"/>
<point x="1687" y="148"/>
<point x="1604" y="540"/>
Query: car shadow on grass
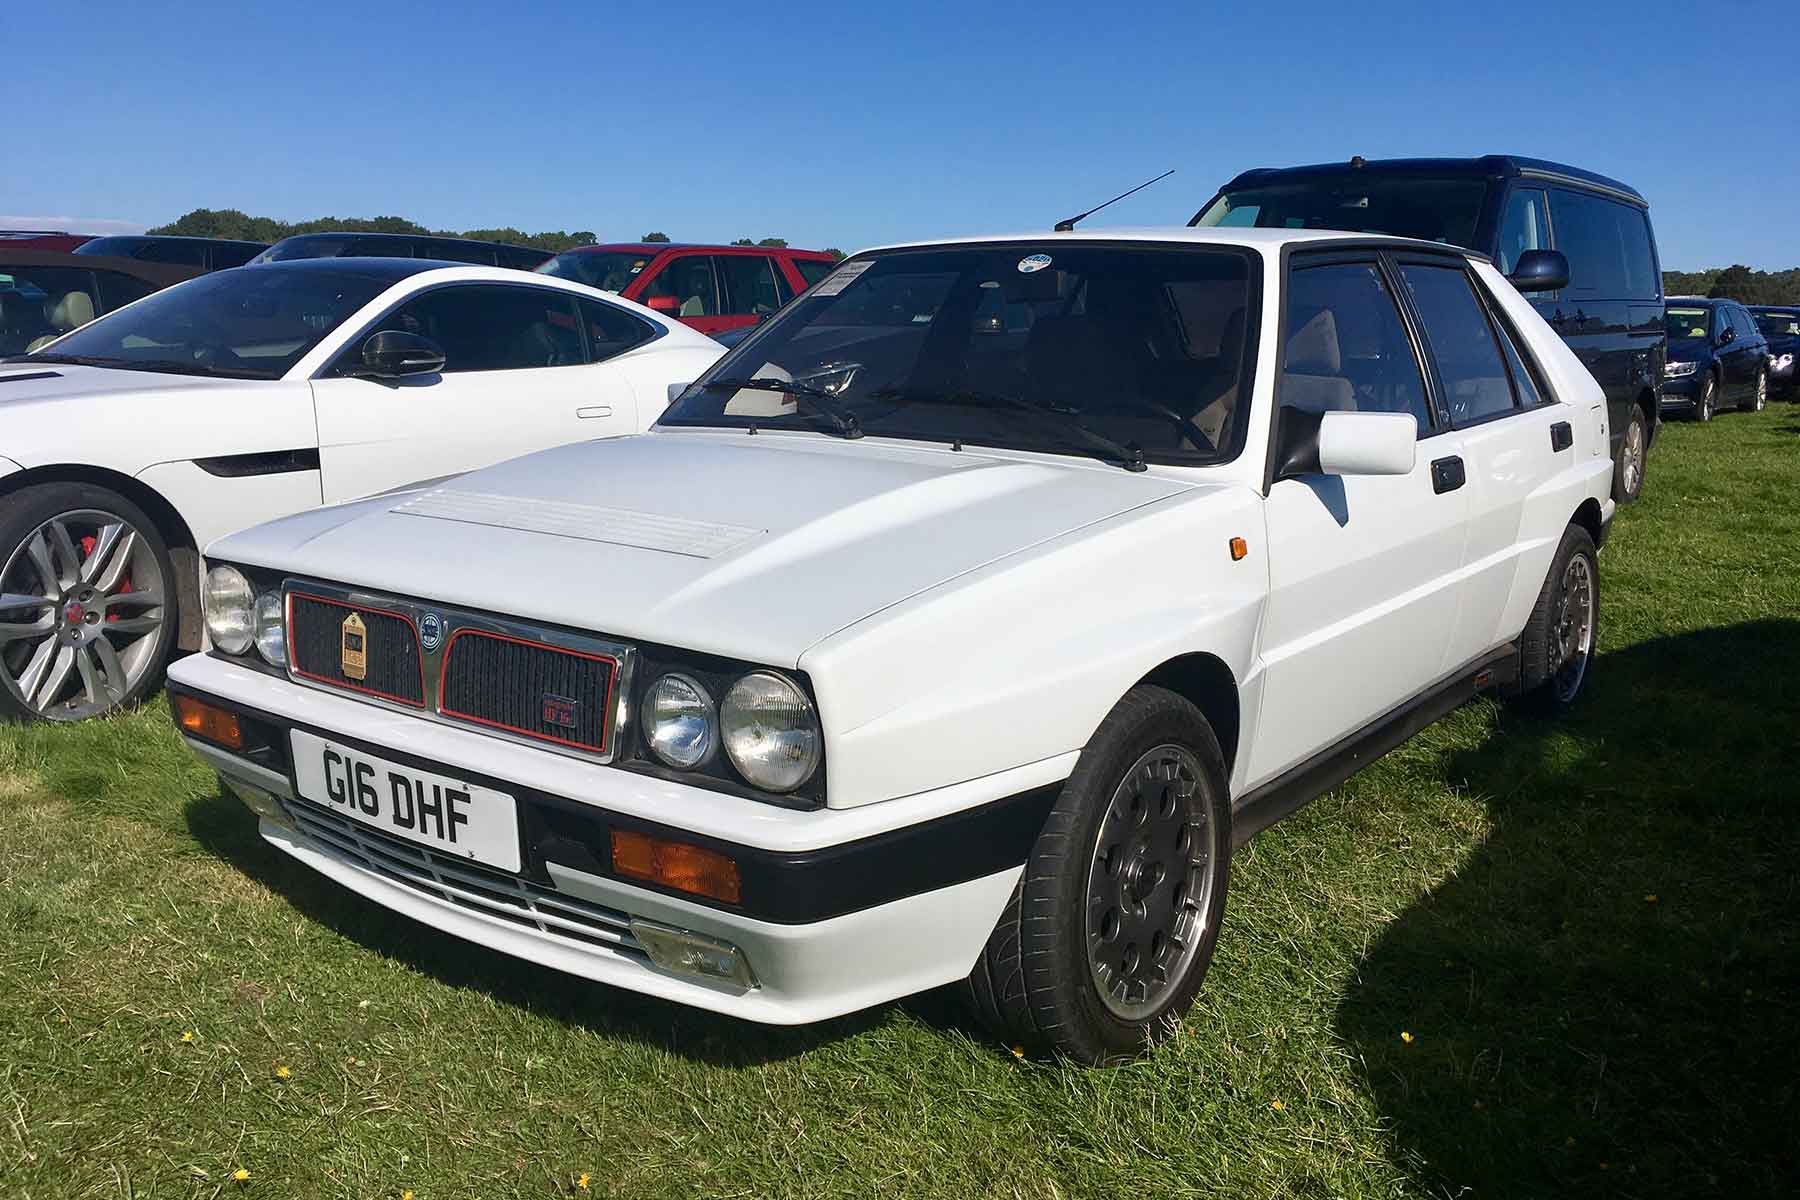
<point x="1603" y="999"/>
<point x="226" y="828"/>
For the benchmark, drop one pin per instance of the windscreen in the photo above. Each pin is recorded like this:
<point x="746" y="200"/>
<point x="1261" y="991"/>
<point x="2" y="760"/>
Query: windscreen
<point x="1436" y="210"/>
<point x="603" y="269"/>
<point x="251" y="324"/>
<point x="1778" y="324"/>
<point x="1686" y="323"/>
<point x="1063" y="347"/>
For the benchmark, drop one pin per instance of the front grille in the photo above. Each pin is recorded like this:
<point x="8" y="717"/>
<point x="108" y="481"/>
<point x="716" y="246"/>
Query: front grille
<point x="529" y="688"/>
<point x="316" y="637"/>
<point x="466" y="884"/>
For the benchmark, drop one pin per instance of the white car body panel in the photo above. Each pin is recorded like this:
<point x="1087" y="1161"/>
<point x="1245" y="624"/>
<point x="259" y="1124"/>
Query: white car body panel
<point x="966" y="617"/>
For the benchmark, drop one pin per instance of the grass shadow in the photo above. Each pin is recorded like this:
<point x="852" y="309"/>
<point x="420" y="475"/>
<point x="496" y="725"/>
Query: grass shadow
<point x="227" y="829"/>
<point x="1602" y="999"/>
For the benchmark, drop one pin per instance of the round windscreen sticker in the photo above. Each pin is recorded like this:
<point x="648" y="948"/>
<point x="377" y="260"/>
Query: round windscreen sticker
<point x="1033" y="262"/>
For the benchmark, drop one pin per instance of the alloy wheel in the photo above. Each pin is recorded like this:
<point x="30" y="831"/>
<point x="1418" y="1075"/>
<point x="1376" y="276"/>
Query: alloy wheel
<point x="1150" y="883"/>
<point x="1762" y="392"/>
<point x="1572" y="628"/>
<point x="83" y="614"/>
<point x="1633" y="455"/>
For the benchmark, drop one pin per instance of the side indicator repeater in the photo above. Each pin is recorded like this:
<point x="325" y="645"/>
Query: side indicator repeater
<point x="1239" y="548"/>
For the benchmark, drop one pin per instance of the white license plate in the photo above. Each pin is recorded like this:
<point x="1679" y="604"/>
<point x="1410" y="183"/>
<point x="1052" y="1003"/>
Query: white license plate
<point x="455" y="818"/>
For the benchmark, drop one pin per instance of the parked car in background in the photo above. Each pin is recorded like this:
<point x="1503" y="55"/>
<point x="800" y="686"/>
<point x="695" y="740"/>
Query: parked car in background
<point x="710" y="288"/>
<point x="1505" y="206"/>
<point x="242" y="395"/>
<point x="403" y="245"/>
<point x="42" y="239"/>
<point x="1717" y="357"/>
<point x="908" y="650"/>
<point x="1781" y="326"/>
<point x="209" y="254"/>
<point x="46" y="293"/>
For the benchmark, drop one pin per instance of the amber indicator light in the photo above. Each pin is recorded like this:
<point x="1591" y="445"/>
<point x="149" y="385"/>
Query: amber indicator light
<point x="675" y="865"/>
<point x="1239" y="548"/>
<point x="205" y="721"/>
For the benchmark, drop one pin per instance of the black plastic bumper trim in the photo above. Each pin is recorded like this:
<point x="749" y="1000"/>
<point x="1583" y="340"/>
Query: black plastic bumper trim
<point x="781" y="887"/>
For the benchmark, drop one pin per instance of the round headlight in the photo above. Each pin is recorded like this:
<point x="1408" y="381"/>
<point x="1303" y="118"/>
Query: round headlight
<point x="230" y="609"/>
<point x="770" y="731"/>
<point x="680" y="725"/>
<point x="271" y="629"/>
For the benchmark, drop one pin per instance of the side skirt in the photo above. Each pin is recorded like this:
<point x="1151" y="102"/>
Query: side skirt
<point x="1294" y="789"/>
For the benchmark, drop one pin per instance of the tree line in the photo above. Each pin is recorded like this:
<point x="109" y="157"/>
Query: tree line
<point x="1736" y="282"/>
<point x="241" y="226"/>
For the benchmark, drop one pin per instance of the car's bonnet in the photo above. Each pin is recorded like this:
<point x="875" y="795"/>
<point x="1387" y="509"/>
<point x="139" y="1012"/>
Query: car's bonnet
<point x="25" y="382"/>
<point x="752" y="547"/>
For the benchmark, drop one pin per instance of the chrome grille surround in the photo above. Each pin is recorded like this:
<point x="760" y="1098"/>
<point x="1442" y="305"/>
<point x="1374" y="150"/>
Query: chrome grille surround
<point x="452" y="620"/>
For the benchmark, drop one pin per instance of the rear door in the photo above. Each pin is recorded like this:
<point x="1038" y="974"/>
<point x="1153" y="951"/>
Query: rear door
<point x="1593" y="314"/>
<point x="516" y="378"/>
<point x="1362" y="569"/>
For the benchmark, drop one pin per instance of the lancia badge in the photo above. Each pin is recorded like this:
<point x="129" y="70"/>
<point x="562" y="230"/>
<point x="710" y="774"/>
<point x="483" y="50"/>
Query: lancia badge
<point x="431" y="631"/>
<point x="356" y="657"/>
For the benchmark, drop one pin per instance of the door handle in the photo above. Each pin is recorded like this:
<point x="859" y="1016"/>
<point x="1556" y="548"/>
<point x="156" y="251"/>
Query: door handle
<point x="1447" y="474"/>
<point x="594" y="410"/>
<point x="1562" y="436"/>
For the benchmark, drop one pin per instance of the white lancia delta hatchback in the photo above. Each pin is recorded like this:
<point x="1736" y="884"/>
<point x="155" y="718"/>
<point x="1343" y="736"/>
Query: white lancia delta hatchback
<point x="954" y="627"/>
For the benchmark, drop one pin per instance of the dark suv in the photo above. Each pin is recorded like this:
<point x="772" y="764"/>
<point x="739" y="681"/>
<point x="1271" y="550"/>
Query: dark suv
<point x="1781" y="325"/>
<point x="403" y="245"/>
<point x="1611" y="311"/>
<point x="1717" y="356"/>
<point x="208" y="254"/>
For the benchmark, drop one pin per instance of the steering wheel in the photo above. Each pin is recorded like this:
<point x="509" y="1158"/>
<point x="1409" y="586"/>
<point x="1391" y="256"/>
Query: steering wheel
<point x="1187" y="426"/>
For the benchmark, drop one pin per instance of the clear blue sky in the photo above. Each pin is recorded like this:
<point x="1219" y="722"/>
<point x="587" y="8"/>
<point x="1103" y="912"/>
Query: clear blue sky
<point x="849" y="124"/>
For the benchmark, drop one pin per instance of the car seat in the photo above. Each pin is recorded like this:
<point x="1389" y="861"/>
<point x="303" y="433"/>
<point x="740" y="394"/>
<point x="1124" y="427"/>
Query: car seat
<point x="70" y="310"/>
<point x="1312" y="376"/>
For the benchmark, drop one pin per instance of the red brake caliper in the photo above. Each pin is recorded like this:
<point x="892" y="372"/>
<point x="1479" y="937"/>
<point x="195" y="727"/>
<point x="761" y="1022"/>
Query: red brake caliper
<point x="87" y="548"/>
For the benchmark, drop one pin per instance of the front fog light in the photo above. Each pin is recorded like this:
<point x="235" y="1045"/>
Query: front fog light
<point x="680" y="724"/>
<point x="771" y="732"/>
<point x="271" y="629"/>
<point x="229" y="604"/>
<point x="688" y="953"/>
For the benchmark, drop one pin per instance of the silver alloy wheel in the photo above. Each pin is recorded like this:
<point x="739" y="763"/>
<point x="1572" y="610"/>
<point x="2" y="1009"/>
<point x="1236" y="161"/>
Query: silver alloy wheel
<point x="1150" y="883"/>
<point x="1572" y="628"/>
<point x="1762" y="391"/>
<point x="1632" y="454"/>
<point x="1703" y="410"/>
<point x="82" y="614"/>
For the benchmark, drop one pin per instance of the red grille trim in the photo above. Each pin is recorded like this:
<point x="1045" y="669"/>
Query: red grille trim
<point x="612" y="686"/>
<point x="294" y="662"/>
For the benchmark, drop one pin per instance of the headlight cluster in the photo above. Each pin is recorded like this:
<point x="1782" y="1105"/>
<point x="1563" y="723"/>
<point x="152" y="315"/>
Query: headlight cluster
<point x="1675" y="370"/>
<point x="237" y="618"/>
<point x="765" y="722"/>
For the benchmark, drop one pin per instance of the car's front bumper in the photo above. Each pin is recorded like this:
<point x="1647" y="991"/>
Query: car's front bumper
<point x="1680" y="392"/>
<point x="825" y="926"/>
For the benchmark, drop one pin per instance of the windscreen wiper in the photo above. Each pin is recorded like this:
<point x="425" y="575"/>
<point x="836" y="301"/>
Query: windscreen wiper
<point x="73" y="360"/>
<point x="1131" y="457"/>
<point x="806" y="397"/>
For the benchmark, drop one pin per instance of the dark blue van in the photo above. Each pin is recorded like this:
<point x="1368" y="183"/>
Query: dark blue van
<point x="1611" y="312"/>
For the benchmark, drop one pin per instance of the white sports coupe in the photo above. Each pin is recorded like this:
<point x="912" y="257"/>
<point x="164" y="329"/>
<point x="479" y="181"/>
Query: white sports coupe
<point x="244" y="395"/>
<point x="1030" y="576"/>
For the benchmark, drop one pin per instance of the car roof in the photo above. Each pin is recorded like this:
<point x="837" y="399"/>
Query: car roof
<point x="405" y="237"/>
<point x="648" y="248"/>
<point x="1241" y="236"/>
<point x="1502" y="165"/>
<point x="1784" y="308"/>
<point x="389" y="270"/>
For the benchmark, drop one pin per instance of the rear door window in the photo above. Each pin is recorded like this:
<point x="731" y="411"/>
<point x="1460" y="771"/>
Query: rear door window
<point x="1347" y="349"/>
<point x="181" y="254"/>
<point x="812" y="270"/>
<point x="749" y="283"/>
<point x="454" y="251"/>
<point x="117" y="290"/>
<point x="1461" y="342"/>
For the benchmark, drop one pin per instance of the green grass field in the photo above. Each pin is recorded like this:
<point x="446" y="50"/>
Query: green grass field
<point x="1511" y="959"/>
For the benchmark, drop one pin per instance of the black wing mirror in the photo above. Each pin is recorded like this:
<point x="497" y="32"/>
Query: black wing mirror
<point x="1728" y="336"/>
<point x="1540" y="271"/>
<point x="393" y="354"/>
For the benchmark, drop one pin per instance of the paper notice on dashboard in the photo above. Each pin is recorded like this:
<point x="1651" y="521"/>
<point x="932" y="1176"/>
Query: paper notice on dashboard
<point x="842" y="278"/>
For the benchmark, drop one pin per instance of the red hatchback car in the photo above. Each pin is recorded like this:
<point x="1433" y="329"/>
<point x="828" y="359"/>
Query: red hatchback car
<point x="710" y="288"/>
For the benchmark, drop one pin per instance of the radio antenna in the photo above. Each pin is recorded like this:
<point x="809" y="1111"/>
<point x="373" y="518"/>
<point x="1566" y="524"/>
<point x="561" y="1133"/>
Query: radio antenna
<point x="1068" y="226"/>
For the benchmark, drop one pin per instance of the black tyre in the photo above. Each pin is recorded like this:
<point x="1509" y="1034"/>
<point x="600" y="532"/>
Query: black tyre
<point x="87" y="603"/>
<point x="1110" y="931"/>
<point x="1758" y="400"/>
<point x="1628" y="471"/>
<point x="1557" y="649"/>
<point x="1709" y="399"/>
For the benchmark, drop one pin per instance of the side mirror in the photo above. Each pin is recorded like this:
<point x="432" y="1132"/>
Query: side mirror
<point x="393" y="354"/>
<point x="1540" y="271"/>
<point x="667" y="305"/>
<point x="1728" y="337"/>
<point x="1368" y="443"/>
<point x="676" y="389"/>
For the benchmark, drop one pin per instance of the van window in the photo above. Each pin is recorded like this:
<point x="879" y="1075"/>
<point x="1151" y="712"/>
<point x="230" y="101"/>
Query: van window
<point x="1524" y="226"/>
<point x="1607" y="245"/>
<point x="1437" y="210"/>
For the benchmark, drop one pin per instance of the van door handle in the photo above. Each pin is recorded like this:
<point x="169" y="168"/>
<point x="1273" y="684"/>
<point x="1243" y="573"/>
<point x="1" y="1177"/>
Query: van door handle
<point x="1447" y="474"/>
<point x="594" y="410"/>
